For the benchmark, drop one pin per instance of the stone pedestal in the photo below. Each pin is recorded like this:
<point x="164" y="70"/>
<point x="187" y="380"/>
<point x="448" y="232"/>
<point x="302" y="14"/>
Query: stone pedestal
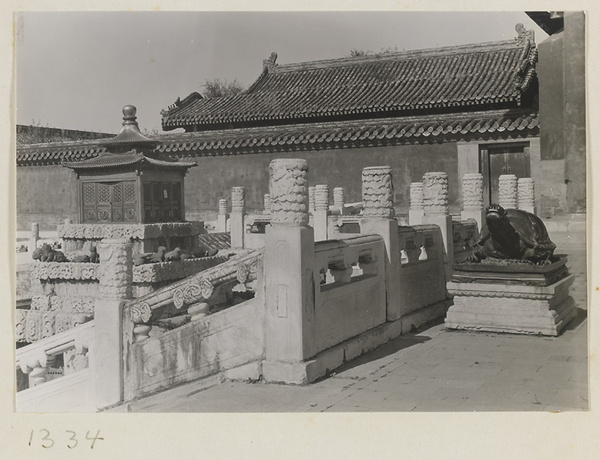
<point x="507" y="191"/>
<point x="473" y="199"/>
<point x="222" y="216"/>
<point x="236" y="219"/>
<point x="499" y="302"/>
<point x="339" y="199"/>
<point x="415" y="212"/>
<point x="321" y="212"/>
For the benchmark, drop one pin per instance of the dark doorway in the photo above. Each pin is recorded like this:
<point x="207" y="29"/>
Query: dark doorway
<point x="495" y="160"/>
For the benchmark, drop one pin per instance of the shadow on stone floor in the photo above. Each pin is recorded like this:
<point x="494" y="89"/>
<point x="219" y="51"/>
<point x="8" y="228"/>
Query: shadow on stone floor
<point x="579" y="318"/>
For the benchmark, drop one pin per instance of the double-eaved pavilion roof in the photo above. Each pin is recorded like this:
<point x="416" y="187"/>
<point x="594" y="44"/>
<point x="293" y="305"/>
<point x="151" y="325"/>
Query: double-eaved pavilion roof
<point x="488" y="76"/>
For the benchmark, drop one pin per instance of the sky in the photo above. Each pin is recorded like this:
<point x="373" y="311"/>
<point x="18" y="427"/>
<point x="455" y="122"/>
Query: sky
<point x="76" y="70"/>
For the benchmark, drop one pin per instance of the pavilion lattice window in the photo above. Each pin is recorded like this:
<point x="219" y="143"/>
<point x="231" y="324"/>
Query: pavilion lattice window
<point x="109" y="202"/>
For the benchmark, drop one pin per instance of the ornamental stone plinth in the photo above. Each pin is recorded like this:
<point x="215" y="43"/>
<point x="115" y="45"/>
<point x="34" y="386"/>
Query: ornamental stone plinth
<point x="378" y="192"/>
<point x="237" y="217"/>
<point x="322" y="198"/>
<point x="288" y="186"/>
<point x="473" y="199"/>
<point x="507" y="191"/>
<point x="415" y="212"/>
<point x="222" y="216"/>
<point x="435" y="193"/>
<point x="321" y="212"/>
<point x="526" y="194"/>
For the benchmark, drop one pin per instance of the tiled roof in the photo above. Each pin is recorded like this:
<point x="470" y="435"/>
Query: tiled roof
<point x="450" y="79"/>
<point x="115" y="160"/>
<point x="488" y="125"/>
<point x="27" y="134"/>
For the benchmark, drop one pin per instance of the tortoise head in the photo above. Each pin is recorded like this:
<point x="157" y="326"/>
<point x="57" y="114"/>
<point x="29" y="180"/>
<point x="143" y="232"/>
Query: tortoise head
<point x="496" y="220"/>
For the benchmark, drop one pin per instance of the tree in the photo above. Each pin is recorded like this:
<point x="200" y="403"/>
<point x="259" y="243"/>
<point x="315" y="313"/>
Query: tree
<point x="221" y="88"/>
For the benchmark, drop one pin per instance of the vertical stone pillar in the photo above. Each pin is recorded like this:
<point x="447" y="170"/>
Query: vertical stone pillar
<point x="435" y="211"/>
<point x="526" y="194"/>
<point x="238" y="209"/>
<point x="415" y="212"/>
<point x="378" y="212"/>
<point x="222" y="216"/>
<point x="267" y="204"/>
<point x="289" y="275"/>
<point x="34" y="237"/>
<point x="311" y="198"/>
<point x="321" y="212"/>
<point x="473" y="198"/>
<point x="339" y="199"/>
<point x="116" y="278"/>
<point x="507" y="191"/>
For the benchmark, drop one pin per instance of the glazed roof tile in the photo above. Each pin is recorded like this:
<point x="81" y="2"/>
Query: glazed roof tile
<point x="459" y="78"/>
<point x="488" y="125"/>
<point x="107" y="160"/>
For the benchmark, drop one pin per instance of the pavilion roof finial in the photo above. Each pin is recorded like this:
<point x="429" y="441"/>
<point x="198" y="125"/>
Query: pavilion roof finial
<point x="130" y="135"/>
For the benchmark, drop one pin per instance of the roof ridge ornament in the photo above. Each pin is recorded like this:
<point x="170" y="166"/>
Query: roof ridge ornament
<point x="270" y="63"/>
<point x="524" y="35"/>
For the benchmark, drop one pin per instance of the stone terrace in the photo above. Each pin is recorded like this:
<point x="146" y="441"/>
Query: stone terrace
<point x="431" y="370"/>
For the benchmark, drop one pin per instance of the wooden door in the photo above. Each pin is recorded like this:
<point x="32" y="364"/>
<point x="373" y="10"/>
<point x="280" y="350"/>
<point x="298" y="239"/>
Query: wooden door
<point x="498" y="160"/>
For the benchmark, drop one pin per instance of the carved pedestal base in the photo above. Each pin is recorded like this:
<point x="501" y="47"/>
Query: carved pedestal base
<point x="512" y="308"/>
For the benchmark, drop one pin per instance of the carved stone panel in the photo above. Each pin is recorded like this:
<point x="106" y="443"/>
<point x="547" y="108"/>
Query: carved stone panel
<point x="289" y="192"/>
<point x="378" y="192"/>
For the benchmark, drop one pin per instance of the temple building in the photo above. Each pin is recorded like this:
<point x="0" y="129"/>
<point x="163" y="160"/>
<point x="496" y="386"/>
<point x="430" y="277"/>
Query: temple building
<point x="458" y="109"/>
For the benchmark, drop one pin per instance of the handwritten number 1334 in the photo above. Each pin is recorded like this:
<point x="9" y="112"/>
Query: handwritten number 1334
<point x="47" y="442"/>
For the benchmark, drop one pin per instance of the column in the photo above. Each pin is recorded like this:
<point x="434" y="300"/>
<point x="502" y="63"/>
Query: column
<point x="378" y="212"/>
<point x="289" y="279"/>
<point x="435" y="211"/>
<point x="267" y="204"/>
<point x="507" y="191"/>
<point x="415" y="212"/>
<point x="238" y="209"/>
<point x="321" y="212"/>
<point x="222" y="216"/>
<point x="473" y="199"/>
<point x="116" y="278"/>
<point x="339" y="199"/>
<point x="526" y="194"/>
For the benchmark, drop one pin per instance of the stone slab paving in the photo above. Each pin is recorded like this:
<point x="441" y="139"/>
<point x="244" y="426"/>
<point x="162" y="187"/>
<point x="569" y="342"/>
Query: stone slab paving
<point x="432" y="370"/>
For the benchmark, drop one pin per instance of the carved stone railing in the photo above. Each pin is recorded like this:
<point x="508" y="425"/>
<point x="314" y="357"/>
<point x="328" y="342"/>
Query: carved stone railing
<point x="190" y="292"/>
<point x="352" y="294"/>
<point x="37" y="359"/>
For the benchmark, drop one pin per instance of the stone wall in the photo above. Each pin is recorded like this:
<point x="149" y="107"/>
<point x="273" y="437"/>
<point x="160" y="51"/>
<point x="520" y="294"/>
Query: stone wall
<point x="215" y="176"/>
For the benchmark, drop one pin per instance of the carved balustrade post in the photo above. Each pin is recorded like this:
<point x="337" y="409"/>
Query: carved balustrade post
<point x="116" y="278"/>
<point x="507" y="191"/>
<point x="34" y="237"/>
<point x="222" y="216"/>
<point x="339" y="199"/>
<point x="378" y="218"/>
<point x="289" y="275"/>
<point x="473" y="199"/>
<point x="238" y="211"/>
<point x="415" y="212"/>
<point x="435" y="210"/>
<point x="321" y="212"/>
<point x="526" y="194"/>
<point x="267" y="204"/>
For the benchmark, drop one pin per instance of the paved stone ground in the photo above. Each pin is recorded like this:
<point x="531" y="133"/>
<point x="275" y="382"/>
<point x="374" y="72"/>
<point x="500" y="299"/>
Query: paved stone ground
<point x="432" y="370"/>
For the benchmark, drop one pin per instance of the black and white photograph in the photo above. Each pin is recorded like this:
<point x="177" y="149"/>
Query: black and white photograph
<point x="345" y="213"/>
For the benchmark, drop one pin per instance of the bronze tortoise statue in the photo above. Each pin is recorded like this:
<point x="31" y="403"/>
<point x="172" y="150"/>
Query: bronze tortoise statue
<point x="513" y="234"/>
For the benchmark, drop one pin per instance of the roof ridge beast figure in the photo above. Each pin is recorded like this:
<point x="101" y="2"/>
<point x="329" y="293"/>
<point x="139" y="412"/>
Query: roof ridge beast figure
<point x="513" y="234"/>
